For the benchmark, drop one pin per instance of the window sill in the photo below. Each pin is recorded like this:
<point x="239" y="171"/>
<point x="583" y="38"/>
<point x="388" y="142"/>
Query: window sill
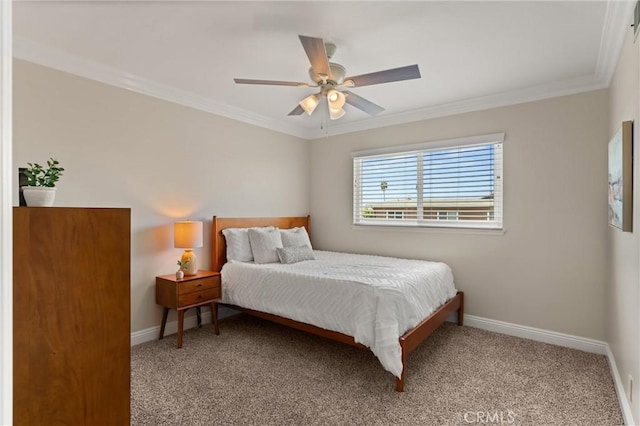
<point x="430" y="229"/>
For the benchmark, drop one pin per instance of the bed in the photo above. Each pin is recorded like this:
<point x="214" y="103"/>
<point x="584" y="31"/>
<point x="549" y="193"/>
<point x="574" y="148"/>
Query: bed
<point x="396" y="362"/>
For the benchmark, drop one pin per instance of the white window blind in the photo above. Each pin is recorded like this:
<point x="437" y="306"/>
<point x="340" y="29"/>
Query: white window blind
<point x="453" y="183"/>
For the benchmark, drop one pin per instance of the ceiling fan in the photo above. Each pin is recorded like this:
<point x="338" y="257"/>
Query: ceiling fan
<point x="329" y="77"/>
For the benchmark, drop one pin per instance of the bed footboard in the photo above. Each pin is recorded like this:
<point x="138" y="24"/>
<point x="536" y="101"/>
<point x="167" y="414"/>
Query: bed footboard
<point x="412" y="338"/>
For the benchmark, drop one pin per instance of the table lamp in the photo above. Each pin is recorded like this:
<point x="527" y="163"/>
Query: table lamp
<point x="188" y="235"/>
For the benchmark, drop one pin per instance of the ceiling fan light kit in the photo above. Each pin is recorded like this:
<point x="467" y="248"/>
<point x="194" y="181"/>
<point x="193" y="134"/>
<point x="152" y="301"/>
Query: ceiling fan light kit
<point x="336" y="101"/>
<point x="310" y="103"/>
<point x="335" y="113"/>
<point x="329" y="76"/>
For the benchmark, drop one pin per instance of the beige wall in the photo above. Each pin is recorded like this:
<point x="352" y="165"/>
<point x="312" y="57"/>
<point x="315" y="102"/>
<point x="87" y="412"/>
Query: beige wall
<point x="549" y="268"/>
<point x="623" y="310"/>
<point x="165" y="161"/>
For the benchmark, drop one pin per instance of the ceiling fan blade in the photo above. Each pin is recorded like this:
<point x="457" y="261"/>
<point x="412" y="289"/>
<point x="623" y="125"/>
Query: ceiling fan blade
<point x="362" y="103"/>
<point x="269" y="82"/>
<point x="317" y="54"/>
<point x="297" y="111"/>
<point x="386" y="76"/>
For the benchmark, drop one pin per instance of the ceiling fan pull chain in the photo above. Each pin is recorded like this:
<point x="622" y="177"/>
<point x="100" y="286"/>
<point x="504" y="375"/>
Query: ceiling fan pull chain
<point x="324" y="122"/>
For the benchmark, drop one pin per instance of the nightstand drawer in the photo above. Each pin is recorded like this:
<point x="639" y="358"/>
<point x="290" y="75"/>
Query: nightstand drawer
<point x="198" y="296"/>
<point x="198" y="285"/>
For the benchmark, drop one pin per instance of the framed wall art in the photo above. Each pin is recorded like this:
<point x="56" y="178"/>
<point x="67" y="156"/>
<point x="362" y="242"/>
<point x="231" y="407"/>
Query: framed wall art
<point x="621" y="178"/>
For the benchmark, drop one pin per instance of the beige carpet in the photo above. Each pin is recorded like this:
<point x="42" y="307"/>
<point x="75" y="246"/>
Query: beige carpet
<point x="258" y="373"/>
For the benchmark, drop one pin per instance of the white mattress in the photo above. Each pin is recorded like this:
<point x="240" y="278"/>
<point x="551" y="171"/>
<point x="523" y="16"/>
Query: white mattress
<point x="372" y="298"/>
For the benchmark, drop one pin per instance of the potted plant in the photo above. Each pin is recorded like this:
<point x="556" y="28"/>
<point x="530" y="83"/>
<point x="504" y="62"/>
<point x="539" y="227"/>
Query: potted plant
<point x="40" y="190"/>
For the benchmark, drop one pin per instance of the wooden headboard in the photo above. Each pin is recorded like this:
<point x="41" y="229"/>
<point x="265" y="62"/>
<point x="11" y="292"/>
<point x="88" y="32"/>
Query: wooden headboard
<point x="219" y="245"/>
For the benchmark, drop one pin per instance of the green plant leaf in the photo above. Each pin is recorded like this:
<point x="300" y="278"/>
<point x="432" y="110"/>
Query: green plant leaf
<point x="38" y="176"/>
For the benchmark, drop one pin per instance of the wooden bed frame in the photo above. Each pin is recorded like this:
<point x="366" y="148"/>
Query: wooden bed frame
<point x="408" y="342"/>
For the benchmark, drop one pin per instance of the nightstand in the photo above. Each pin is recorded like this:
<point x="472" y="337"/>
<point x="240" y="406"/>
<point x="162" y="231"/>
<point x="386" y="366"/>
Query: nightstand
<point x="190" y="292"/>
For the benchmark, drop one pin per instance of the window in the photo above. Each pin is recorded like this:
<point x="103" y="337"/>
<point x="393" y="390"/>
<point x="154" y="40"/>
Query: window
<point x="448" y="215"/>
<point x="452" y="183"/>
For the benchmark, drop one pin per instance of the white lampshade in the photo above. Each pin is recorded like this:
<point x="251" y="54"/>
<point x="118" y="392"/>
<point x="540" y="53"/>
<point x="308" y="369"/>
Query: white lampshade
<point x="335" y="113"/>
<point x="336" y="99"/>
<point x="310" y="103"/>
<point x="187" y="234"/>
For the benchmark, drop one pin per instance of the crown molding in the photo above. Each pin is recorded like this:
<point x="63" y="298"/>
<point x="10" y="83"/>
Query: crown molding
<point x="63" y="61"/>
<point x="617" y="23"/>
<point x="513" y="97"/>
<point x="617" y="19"/>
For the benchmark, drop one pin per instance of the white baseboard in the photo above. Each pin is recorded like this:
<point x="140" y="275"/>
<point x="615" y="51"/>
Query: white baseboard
<point x="152" y="333"/>
<point x="531" y="333"/>
<point x="537" y="334"/>
<point x="619" y="384"/>
<point x="560" y="339"/>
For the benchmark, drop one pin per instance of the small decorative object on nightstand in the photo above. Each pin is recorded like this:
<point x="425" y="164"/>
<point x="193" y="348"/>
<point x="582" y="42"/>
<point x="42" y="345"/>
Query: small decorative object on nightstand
<point x="193" y="291"/>
<point x="181" y="268"/>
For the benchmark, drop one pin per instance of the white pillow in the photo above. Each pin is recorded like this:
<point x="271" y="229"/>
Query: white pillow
<point x="238" y="245"/>
<point x="295" y="254"/>
<point x="295" y="237"/>
<point x="264" y="243"/>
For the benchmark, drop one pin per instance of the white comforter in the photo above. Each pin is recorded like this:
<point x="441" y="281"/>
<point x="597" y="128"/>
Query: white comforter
<point x="374" y="299"/>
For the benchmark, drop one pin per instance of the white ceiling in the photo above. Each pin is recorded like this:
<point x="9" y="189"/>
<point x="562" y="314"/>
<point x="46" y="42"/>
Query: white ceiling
<point x="472" y="55"/>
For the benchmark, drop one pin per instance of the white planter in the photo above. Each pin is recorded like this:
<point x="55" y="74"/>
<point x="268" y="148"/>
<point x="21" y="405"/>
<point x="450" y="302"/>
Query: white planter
<point x="39" y="196"/>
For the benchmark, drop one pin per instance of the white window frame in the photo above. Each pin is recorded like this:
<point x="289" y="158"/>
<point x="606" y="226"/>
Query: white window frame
<point x="496" y="224"/>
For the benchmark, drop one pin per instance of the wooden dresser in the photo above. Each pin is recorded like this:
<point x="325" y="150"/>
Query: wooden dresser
<point x="71" y="316"/>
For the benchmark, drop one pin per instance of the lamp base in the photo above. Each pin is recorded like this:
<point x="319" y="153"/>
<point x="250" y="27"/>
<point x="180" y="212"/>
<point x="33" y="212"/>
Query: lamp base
<point x="189" y="259"/>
